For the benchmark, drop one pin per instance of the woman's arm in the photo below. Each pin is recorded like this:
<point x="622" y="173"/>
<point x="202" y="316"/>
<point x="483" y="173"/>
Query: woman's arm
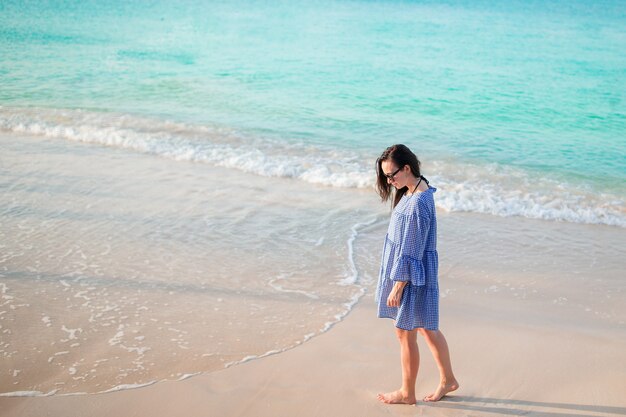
<point x="396" y="294"/>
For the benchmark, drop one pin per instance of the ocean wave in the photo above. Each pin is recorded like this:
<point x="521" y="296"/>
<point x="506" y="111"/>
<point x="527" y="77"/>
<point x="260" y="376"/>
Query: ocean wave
<point x="505" y="191"/>
<point x="184" y="142"/>
<point x="491" y="189"/>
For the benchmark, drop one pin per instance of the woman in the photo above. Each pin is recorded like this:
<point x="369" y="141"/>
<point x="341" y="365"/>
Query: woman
<point x="408" y="291"/>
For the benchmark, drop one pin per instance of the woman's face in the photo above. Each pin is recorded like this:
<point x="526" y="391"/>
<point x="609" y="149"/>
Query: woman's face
<point x="396" y="177"/>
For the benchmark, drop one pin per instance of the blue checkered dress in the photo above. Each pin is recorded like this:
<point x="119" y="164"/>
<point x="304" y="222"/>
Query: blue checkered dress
<point x="410" y="254"/>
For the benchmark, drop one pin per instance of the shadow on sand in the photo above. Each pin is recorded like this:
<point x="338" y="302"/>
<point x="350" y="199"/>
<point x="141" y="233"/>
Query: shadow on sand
<point x="523" y="407"/>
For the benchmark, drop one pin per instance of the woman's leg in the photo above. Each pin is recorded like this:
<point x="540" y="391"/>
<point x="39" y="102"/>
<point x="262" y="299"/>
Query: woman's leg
<point x="439" y="348"/>
<point x="410" y="360"/>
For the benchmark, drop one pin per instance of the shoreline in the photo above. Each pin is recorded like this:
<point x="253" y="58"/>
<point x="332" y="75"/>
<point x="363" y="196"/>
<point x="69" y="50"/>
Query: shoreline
<point x="480" y="187"/>
<point x="541" y="294"/>
<point x="328" y="326"/>
<point x="120" y="240"/>
<point x="360" y="357"/>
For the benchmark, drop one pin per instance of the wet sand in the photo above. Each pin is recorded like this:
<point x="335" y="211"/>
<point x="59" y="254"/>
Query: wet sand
<point x="120" y="269"/>
<point x="538" y="330"/>
<point x="503" y="369"/>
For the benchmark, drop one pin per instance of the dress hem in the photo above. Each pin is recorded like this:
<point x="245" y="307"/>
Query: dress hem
<point x="402" y="328"/>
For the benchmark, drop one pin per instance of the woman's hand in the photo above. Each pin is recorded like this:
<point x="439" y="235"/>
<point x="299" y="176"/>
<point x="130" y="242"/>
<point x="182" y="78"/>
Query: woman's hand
<point x="395" y="296"/>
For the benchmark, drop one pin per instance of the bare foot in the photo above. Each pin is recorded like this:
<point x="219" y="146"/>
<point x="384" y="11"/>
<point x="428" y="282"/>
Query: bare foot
<point x="442" y="390"/>
<point x="397" y="397"/>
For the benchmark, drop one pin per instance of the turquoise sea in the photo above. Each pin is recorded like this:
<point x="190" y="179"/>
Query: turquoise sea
<point x="516" y="108"/>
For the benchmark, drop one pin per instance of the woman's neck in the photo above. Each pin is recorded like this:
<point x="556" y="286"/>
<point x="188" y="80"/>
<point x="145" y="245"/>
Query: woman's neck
<point x="413" y="185"/>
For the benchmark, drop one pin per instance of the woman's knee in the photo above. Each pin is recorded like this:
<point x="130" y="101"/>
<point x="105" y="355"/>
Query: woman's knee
<point x="429" y="334"/>
<point x="401" y="334"/>
<point x="405" y="335"/>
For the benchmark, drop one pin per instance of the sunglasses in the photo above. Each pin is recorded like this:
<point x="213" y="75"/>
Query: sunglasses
<point x="393" y="174"/>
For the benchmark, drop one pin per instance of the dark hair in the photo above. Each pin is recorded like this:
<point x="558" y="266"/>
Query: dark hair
<point x="401" y="156"/>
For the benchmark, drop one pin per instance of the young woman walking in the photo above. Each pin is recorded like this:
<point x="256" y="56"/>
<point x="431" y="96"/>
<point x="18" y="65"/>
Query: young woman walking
<point x="408" y="291"/>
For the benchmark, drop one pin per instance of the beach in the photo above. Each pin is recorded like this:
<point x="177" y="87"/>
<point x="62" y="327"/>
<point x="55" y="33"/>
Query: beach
<point x="121" y="261"/>
<point x="340" y="373"/>
<point x="533" y="311"/>
<point x="524" y="350"/>
<point x="189" y="222"/>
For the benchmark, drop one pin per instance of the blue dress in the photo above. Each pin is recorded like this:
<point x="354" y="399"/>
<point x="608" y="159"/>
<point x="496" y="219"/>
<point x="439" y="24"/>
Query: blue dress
<point x="410" y="254"/>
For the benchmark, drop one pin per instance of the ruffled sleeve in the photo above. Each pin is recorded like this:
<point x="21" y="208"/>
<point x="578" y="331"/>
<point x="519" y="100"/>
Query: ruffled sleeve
<point x="408" y="265"/>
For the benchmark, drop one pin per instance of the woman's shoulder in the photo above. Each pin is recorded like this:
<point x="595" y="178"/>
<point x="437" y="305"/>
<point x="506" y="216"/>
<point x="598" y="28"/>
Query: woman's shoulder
<point x="425" y="197"/>
<point x="429" y="191"/>
<point x="417" y="202"/>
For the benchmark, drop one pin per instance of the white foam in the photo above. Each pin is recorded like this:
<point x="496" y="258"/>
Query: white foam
<point x="272" y="283"/>
<point x="354" y="276"/>
<point x="127" y="386"/>
<point x="505" y="191"/>
<point x="117" y="339"/>
<point x="81" y="294"/>
<point x="491" y="189"/>
<point x="186" y="376"/>
<point x="138" y="350"/>
<point x="28" y="393"/>
<point x="347" y="309"/>
<point x="72" y="332"/>
<point x="183" y="142"/>
<point x="351" y="279"/>
<point x="252" y="357"/>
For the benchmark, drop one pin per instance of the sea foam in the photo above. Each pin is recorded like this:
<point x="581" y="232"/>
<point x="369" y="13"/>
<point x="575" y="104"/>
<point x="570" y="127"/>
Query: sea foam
<point x="465" y="187"/>
<point x="184" y="142"/>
